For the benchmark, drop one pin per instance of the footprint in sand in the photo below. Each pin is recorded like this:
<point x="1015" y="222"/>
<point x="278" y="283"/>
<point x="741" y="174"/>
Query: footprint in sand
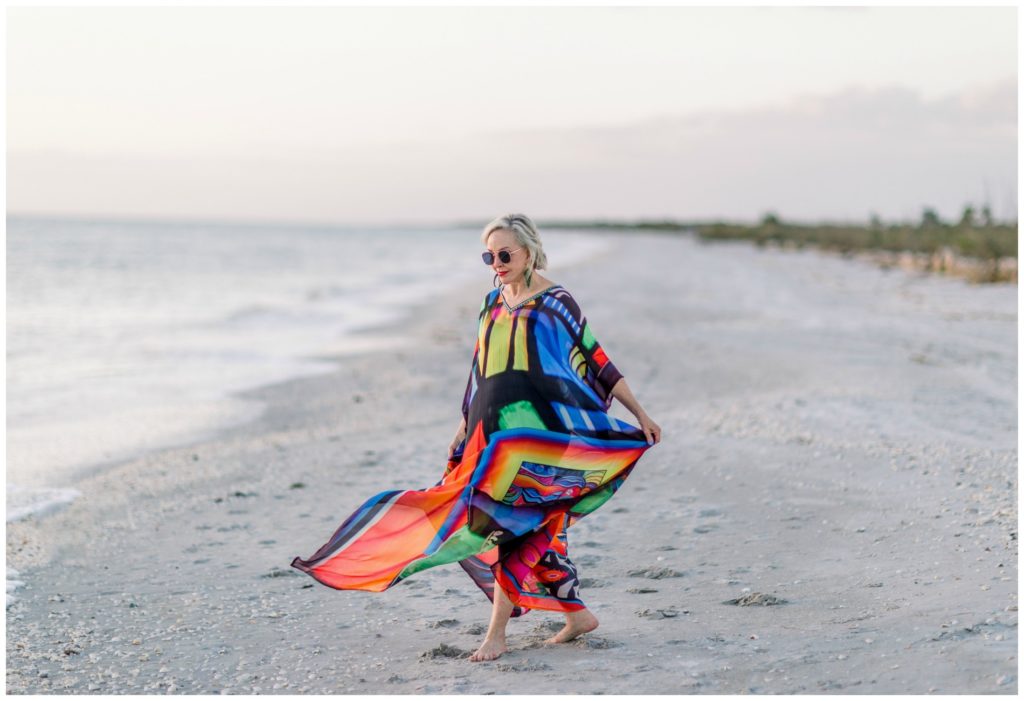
<point x="594" y="643"/>
<point x="524" y="666"/>
<point x="549" y="626"/>
<point x="443" y="623"/>
<point x="756" y="599"/>
<point x="444" y="651"/>
<point x="278" y="572"/>
<point x="654" y="572"/>
<point x="670" y="612"/>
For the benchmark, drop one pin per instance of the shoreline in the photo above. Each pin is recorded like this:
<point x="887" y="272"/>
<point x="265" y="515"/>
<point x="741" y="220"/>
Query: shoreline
<point x="228" y="406"/>
<point x="397" y="333"/>
<point x="818" y="417"/>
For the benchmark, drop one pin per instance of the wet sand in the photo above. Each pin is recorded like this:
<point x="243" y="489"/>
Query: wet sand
<point x="840" y="443"/>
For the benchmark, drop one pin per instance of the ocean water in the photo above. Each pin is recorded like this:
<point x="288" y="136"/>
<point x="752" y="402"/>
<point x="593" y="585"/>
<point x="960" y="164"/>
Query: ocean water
<point x="126" y="336"/>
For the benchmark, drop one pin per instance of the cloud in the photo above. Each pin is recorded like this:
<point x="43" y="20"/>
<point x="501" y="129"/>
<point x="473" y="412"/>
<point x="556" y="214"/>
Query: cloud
<point x="837" y="156"/>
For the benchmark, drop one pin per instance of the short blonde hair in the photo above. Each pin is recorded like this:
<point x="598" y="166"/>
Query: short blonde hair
<point x="525" y="233"/>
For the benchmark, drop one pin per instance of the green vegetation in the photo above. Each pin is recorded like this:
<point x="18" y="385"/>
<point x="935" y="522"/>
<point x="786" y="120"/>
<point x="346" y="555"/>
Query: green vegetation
<point x="975" y="241"/>
<point x="967" y="237"/>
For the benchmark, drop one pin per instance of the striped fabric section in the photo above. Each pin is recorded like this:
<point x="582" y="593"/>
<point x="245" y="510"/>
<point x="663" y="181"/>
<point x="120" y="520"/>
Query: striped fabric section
<point x="541" y="451"/>
<point x="563" y="312"/>
<point x="575" y="419"/>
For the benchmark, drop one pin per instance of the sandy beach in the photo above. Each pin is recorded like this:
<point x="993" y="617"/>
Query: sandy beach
<point x="838" y="438"/>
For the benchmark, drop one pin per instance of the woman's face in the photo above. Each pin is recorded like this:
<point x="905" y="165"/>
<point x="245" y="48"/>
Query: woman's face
<point x="505" y="240"/>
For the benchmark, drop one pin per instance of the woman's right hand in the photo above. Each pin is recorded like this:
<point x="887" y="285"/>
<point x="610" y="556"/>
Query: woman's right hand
<point x="460" y="435"/>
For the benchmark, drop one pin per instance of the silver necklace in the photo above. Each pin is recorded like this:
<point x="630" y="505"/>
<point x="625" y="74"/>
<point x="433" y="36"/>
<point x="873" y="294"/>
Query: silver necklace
<point x="501" y="291"/>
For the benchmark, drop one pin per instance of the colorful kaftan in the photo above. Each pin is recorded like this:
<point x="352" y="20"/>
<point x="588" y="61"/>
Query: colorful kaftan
<point x="540" y="453"/>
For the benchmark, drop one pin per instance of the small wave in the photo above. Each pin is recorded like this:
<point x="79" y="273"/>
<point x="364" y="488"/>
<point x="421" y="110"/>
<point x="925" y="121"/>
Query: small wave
<point x="321" y="292"/>
<point x="13" y="584"/>
<point x="255" y="311"/>
<point x="260" y="317"/>
<point x="23" y="502"/>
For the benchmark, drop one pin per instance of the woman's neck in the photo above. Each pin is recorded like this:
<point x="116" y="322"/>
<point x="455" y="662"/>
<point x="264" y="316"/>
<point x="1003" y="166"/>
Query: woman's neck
<point x="518" y="290"/>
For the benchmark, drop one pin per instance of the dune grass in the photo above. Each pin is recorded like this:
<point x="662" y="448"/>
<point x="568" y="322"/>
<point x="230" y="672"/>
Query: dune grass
<point x="979" y="248"/>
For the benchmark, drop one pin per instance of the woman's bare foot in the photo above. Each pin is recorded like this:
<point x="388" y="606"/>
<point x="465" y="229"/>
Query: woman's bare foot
<point x="494" y="642"/>
<point x="489" y="650"/>
<point x="576" y="624"/>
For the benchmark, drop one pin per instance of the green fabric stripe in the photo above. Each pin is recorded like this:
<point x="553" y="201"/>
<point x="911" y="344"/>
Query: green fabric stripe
<point x="593" y="500"/>
<point x="519" y="415"/>
<point x="460" y="545"/>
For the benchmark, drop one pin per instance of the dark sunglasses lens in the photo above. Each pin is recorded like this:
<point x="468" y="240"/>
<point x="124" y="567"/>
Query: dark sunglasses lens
<point x="503" y="256"/>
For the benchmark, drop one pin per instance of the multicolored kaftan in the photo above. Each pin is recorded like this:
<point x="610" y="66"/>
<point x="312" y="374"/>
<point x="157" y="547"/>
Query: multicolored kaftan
<point x="540" y="453"/>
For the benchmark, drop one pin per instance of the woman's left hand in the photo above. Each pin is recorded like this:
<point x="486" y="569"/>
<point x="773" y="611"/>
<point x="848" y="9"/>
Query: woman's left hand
<point x="651" y="430"/>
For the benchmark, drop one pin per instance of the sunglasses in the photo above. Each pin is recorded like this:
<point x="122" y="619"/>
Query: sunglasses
<point x="503" y="256"/>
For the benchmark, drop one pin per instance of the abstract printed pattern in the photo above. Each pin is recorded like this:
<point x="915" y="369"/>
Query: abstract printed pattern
<point x="536" y="484"/>
<point x="558" y="574"/>
<point x="540" y="453"/>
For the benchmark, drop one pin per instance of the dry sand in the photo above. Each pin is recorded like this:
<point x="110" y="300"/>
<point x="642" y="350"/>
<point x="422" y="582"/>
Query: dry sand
<point x="838" y="439"/>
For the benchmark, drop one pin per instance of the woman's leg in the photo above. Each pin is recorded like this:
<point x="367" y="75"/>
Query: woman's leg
<point x="494" y="642"/>
<point x="561" y="577"/>
<point x="563" y="582"/>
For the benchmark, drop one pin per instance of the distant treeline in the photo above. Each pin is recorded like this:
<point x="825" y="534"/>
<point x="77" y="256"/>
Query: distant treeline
<point x="934" y="244"/>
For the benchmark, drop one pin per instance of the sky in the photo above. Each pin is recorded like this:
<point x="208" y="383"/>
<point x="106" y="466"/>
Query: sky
<point x="365" y="115"/>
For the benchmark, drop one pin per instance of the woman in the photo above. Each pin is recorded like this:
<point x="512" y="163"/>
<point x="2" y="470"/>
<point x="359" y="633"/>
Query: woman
<point x="535" y="451"/>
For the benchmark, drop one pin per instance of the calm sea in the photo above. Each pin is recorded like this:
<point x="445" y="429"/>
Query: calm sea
<point x="125" y="336"/>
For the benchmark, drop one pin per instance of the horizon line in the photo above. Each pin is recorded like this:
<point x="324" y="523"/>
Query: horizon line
<point x="565" y="222"/>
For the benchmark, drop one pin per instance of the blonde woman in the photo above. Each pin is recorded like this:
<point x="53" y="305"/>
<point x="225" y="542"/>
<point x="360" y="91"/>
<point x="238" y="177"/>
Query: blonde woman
<point x="535" y="451"/>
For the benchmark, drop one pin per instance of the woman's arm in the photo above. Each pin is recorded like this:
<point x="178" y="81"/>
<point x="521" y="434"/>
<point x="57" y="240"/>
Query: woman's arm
<point x="624" y="394"/>
<point x="600" y="372"/>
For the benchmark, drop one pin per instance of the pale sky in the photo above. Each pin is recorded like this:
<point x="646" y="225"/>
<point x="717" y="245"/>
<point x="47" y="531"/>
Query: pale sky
<point x="419" y="114"/>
